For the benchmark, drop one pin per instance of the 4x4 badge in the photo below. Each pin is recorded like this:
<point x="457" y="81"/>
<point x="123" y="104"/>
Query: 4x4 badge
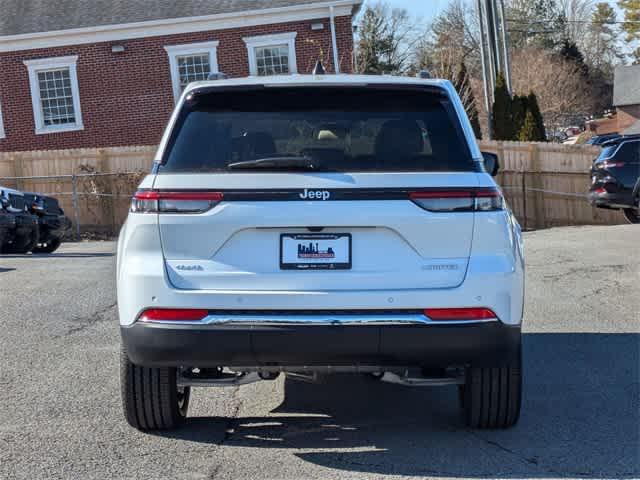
<point x="315" y="194"/>
<point x="197" y="268"/>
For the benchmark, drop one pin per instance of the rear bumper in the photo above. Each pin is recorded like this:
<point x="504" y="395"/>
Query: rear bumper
<point x="611" y="200"/>
<point x="489" y="343"/>
<point x="53" y="226"/>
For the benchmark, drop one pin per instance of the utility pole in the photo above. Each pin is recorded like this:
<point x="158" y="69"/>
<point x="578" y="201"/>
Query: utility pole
<point x="505" y="45"/>
<point x="494" y="49"/>
<point x="488" y="92"/>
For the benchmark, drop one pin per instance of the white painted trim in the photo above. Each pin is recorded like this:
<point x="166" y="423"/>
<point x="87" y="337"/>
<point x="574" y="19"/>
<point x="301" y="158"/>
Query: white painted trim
<point x="2" y="134"/>
<point x="174" y="26"/>
<point x="40" y="64"/>
<point x="190" y="49"/>
<point x="334" y="42"/>
<point x="288" y="39"/>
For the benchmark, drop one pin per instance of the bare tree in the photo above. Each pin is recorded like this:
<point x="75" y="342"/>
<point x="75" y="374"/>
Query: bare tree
<point x="452" y="39"/>
<point x="385" y="39"/>
<point x="577" y="15"/>
<point x="563" y="94"/>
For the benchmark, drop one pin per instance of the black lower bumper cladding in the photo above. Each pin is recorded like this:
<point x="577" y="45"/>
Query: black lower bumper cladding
<point x="610" y="200"/>
<point x="481" y="344"/>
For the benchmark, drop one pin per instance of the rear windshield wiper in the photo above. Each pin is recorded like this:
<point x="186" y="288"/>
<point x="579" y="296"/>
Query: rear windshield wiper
<point x="301" y="163"/>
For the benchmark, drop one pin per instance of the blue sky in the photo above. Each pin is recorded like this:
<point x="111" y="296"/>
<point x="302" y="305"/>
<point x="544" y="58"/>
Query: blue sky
<point x="427" y="9"/>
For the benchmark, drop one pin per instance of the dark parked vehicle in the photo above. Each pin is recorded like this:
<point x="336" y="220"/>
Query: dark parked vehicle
<point x="23" y="237"/>
<point x="52" y="223"/>
<point x="598" y="140"/>
<point x="7" y="225"/>
<point x="615" y="177"/>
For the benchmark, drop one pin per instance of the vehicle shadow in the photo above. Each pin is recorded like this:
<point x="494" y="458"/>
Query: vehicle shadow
<point x="580" y="418"/>
<point x="5" y="270"/>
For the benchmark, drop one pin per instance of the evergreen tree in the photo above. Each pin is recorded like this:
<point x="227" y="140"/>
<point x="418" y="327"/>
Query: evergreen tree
<point x="631" y="27"/>
<point x="533" y="107"/>
<point x="465" y="91"/>
<point x="502" y="121"/>
<point x="603" y="47"/>
<point x="529" y="131"/>
<point x="572" y="53"/>
<point x="519" y="108"/>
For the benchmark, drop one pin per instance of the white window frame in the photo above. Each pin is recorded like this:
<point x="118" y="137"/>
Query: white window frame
<point x="184" y="50"/>
<point x="2" y="134"/>
<point x="43" y="64"/>
<point x="288" y="39"/>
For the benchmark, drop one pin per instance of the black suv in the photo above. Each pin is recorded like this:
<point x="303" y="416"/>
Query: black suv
<point x="20" y="233"/>
<point x="7" y="225"/>
<point x="52" y="223"/>
<point x="615" y="177"/>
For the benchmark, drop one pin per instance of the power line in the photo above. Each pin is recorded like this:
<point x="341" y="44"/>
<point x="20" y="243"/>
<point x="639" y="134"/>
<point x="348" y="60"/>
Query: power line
<point x="529" y="22"/>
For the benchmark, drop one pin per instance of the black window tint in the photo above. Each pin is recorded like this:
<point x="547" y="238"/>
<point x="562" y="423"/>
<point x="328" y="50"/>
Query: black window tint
<point x="629" y="152"/>
<point x="606" y="152"/>
<point x="346" y="129"/>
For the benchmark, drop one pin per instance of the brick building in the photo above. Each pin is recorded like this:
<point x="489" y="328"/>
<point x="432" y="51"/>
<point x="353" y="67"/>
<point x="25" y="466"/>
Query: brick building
<point x="626" y="98"/>
<point x="74" y="75"/>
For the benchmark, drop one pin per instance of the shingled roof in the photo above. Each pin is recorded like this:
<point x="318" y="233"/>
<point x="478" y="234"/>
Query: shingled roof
<point x="34" y="16"/>
<point x="626" y="86"/>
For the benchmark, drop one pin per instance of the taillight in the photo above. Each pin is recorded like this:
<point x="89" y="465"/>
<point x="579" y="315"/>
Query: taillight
<point x="452" y="314"/>
<point x="154" y="201"/>
<point x="173" y="315"/>
<point x="611" y="164"/>
<point x="482" y="200"/>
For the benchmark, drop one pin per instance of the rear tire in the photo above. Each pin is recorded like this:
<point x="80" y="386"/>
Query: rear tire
<point x="491" y="396"/>
<point x="151" y="399"/>
<point x="50" y="247"/>
<point x="632" y="215"/>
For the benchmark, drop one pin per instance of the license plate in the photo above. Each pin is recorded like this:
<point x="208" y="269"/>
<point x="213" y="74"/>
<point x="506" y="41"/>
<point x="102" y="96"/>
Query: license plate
<point x="328" y="251"/>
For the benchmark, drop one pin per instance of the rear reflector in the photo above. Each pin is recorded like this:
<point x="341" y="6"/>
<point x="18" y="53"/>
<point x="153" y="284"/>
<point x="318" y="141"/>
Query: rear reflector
<point x="173" y="314"/>
<point x="460" y="313"/>
<point x="483" y="200"/>
<point x="153" y="201"/>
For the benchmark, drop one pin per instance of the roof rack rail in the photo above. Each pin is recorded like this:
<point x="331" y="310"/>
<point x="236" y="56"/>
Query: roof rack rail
<point x="621" y="138"/>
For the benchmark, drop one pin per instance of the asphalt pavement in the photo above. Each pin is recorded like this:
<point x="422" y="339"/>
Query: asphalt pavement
<point x="61" y="412"/>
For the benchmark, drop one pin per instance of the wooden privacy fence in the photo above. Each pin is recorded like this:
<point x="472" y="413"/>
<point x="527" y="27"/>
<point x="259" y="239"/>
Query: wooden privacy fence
<point x="94" y="186"/>
<point x="545" y="184"/>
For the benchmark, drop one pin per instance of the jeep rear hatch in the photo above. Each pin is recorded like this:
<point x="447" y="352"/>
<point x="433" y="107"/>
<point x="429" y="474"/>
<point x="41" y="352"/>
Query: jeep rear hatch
<point x="300" y="188"/>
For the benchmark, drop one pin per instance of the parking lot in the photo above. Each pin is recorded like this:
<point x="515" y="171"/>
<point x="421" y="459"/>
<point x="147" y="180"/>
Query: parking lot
<point x="61" y="414"/>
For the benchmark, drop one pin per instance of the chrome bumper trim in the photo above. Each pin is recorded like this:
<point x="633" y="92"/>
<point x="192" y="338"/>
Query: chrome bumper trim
<point x="321" y="320"/>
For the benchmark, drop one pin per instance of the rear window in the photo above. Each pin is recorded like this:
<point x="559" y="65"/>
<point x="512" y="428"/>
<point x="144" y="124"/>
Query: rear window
<point x="625" y="152"/>
<point x="341" y="129"/>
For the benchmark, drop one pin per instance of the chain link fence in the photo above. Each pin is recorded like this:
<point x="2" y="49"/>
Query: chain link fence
<point x="96" y="203"/>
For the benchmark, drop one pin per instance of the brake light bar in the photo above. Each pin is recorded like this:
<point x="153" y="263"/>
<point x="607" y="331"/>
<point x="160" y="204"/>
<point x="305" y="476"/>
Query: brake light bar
<point x="156" y="201"/>
<point x="173" y="315"/>
<point x="612" y="164"/>
<point x="479" y="200"/>
<point x="473" y="313"/>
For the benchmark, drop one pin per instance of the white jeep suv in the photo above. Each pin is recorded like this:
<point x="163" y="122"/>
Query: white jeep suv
<point x="320" y="224"/>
